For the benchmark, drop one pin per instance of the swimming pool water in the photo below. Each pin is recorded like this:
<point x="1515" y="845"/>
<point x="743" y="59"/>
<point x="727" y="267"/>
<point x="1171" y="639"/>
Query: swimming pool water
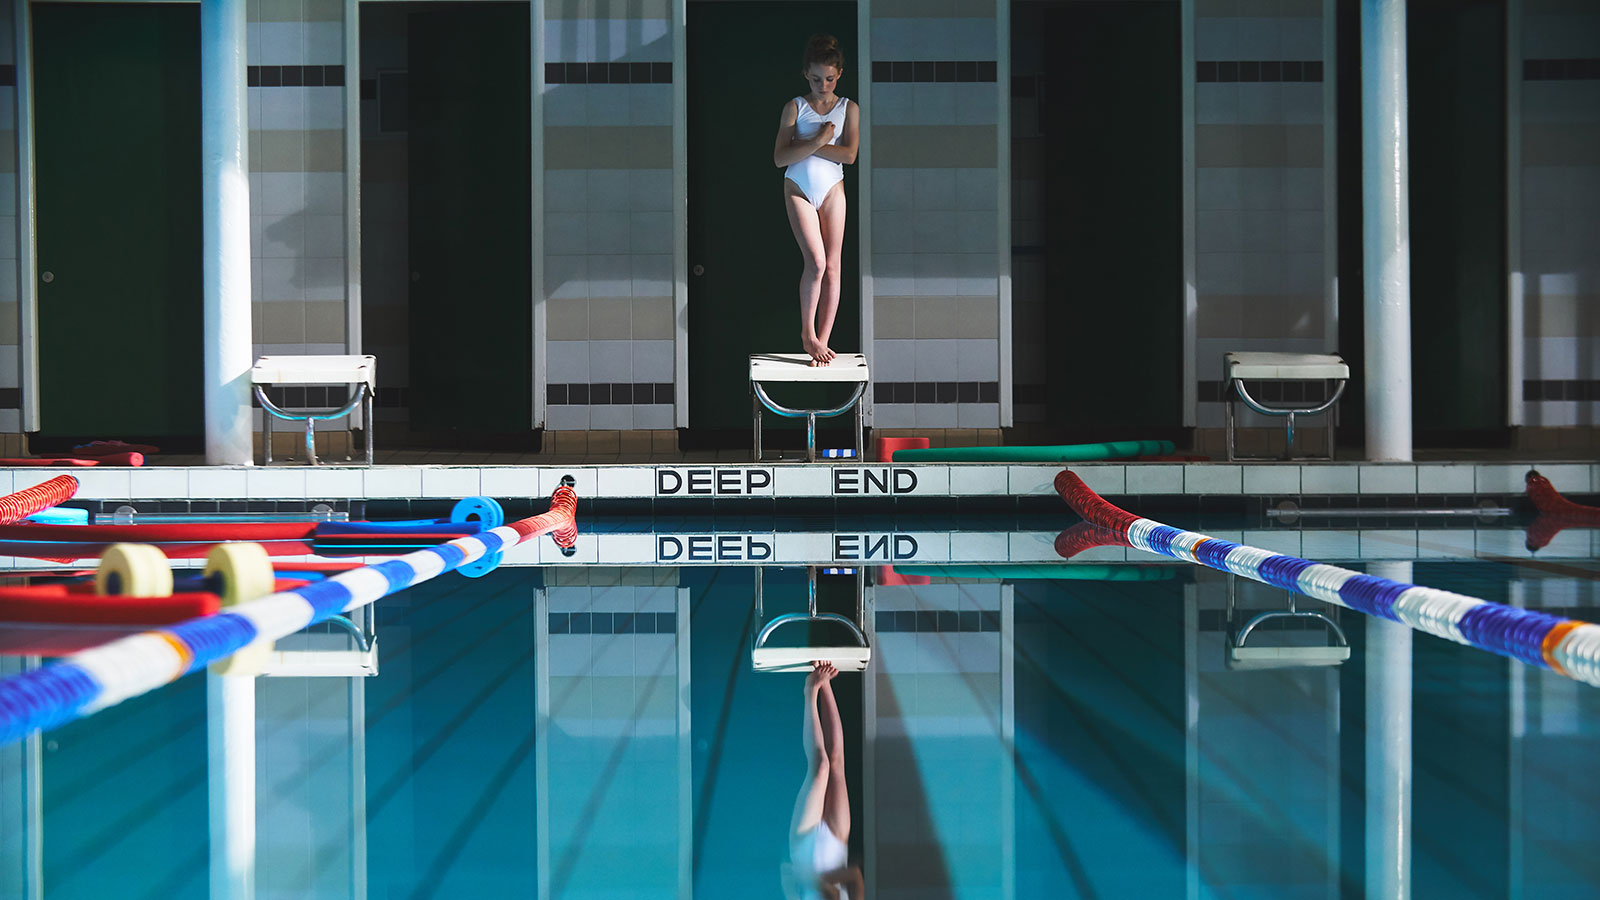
<point x="598" y="732"/>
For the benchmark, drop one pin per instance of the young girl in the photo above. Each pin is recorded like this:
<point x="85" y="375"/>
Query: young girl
<point x="817" y="135"/>
<point x="819" y="833"/>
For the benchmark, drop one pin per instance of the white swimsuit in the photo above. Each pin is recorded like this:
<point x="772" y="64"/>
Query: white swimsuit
<point x="814" y="175"/>
<point x="815" y="853"/>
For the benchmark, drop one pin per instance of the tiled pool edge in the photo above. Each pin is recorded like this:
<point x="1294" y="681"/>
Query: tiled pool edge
<point x="847" y="483"/>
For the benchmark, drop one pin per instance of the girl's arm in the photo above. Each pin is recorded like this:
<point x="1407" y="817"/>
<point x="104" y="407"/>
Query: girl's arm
<point x="788" y="149"/>
<point x="844" y="151"/>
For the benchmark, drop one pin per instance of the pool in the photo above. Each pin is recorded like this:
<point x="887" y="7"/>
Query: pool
<point x="590" y="725"/>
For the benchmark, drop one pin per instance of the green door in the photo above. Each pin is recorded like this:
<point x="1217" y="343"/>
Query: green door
<point x="117" y="150"/>
<point x="1456" y="73"/>
<point x="1114" y="237"/>
<point x="471" y="299"/>
<point x="744" y="64"/>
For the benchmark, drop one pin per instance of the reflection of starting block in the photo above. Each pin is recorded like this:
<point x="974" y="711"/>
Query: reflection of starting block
<point x="846" y="368"/>
<point x="1242" y="655"/>
<point x="845" y="657"/>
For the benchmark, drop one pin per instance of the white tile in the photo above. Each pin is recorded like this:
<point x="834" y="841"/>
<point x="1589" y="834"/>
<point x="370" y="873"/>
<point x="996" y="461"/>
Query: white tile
<point x="978" y="479"/>
<point x="1397" y="544"/>
<point x="262" y="482"/>
<point x="1494" y="478"/>
<point x="1447" y="543"/>
<point x="1388" y="479"/>
<point x="1212" y="479"/>
<point x="1332" y="478"/>
<point x="1149" y="478"/>
<point x="611" y="417"/>
<point x="158" y="483"/>
<point x="936" y="415"/>
<point x="392" y="481"/>
<point x="610" y="362"/>
<point x="1444" y="479"/>
<point x="334" y="483"/>
<point x="1272" y="479"/>
<point x="103" y="483"/>
<point x="283" y="109"/>
<point x="509" y="481"/>
<point x="626" y="549"/>
<point x="606" y="232"/>
<point x="626" y="481"/>
<point x="977" y="415"/>
<point x="981" y="547"/>
<point x="214" y="482"/>
<point x="325" y="193"/>
<point x="324" y="43"/>
<point x="1102" y="479"/>
<point x="1032" y="480"/>
<point x="1330" y="546"/>
<point x="653" y="417"/>
<point x="324" y="108"/>
<point x="650" y="189"/>
<point x="566" y="418"/>
<point x="450" y="481"/>
<point x="566" y="190"/>
<point x="803" y="481"/>
<point x="977" y="360"/>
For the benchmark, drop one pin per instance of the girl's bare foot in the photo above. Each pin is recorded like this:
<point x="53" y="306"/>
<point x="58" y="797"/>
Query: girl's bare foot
<point x="819" y="353"/>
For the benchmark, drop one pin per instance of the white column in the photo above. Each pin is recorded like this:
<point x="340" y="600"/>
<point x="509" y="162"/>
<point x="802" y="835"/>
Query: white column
<point x="1388" y="752"/>
<point x="231" y="778"/>
<point x="226" y="200"/>
<point x="1386" y="230"/>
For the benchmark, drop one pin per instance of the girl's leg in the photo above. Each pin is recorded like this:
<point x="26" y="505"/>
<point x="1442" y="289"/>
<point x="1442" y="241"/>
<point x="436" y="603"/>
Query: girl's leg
<point x="831" y="218"/>
<point x="836" y="801"/>
<point x="803" y="221"/>
<point x="808" y="806"/>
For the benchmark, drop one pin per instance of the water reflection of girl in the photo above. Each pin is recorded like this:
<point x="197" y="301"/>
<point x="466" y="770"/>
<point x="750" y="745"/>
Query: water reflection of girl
<point x="819" y="836"/>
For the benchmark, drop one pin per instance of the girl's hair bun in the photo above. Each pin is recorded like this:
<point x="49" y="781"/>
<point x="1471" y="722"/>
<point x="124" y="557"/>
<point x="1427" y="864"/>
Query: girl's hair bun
<point x="823" y="49"/>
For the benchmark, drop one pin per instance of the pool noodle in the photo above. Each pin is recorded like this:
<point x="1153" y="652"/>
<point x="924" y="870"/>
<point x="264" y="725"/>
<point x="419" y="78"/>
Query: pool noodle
<point x="1053" y="453"/>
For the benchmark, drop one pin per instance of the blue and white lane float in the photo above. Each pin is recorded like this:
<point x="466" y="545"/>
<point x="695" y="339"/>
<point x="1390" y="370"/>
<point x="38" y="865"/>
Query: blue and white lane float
<point x="94" y="679"/>
<point x="1568" y="646"/>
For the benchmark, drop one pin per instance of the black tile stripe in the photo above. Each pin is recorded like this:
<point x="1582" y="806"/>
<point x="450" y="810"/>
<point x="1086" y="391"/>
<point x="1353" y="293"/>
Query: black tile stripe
<point x="1561" y="69"/>
<point x="1583" y="391"/>
<point x="10" y="398"/>
<point x="608" y="73"/>
<point x="1273" y="392"/>
<point x="613" y="623"/>
<point x="608" y="394"/>
<point x="935" y="70"/>
<point x="294" y="76"/>
<point x="1229" y="71"/>
<point x="8" y="76"/>
<point x="945" y="621"/>
<point x="936" y="392"/>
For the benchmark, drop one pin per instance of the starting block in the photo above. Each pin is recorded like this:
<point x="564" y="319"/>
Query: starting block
<point x="846" y="368"/>
<point x="1241" y="367"/>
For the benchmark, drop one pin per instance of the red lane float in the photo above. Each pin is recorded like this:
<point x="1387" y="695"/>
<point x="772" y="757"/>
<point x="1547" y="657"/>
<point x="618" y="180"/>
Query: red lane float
<point x="59" y="603"/>
<point x="40" y="497"/>
<point x="1086" y="536"/>
<point x="160" y="532"/>
<point x="72" y="551"/>
<point x="1556" y="512"/>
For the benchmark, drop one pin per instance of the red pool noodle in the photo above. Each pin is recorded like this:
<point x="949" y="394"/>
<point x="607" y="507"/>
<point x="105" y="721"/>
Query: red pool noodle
<point x="40" y="497"/>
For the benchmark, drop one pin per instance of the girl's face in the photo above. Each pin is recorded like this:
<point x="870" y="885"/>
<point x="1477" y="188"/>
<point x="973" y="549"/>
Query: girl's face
<point x="823" y="79"/>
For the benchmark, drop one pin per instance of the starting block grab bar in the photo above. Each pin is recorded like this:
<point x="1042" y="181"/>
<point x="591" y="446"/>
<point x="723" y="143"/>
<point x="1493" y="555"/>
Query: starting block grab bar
<point x="845" y="658"/>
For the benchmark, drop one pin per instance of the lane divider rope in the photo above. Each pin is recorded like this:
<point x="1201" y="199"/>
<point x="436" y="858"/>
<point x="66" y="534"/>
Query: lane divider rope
<point x="1568" y="646"/>
<point x="93" y="679"/>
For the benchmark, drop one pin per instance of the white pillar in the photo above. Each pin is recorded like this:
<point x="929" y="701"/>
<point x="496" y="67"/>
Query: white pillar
<point x="226" y="199"/>
<point x="231" y="777"/>
<point x="1386" y="230"/>
<point x="1388" y="753"/>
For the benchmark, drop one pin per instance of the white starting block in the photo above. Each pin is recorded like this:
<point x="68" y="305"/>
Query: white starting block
<point x="846" y="368"/>
<point x="1239" y="368"/>
<point x="845" y="657"/>
<point x="277" y="371"/>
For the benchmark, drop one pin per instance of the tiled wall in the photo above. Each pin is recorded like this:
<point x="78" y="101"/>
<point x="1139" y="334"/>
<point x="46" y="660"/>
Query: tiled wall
<point x="1259" y="218"/>
<point x="1560" y="211"/>
<point x="608" y="229"/>
<point x="614" y="730"/>
<point x="295" y="54"/>
<point x="940" y="747"/>
<point x="935" y="153"/>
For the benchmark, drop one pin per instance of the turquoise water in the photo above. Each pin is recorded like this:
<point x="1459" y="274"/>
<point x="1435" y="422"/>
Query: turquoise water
<point x="596" y="732"/>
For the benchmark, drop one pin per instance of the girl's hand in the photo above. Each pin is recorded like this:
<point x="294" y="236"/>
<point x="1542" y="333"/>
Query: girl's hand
<point x="824" y="134"/>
